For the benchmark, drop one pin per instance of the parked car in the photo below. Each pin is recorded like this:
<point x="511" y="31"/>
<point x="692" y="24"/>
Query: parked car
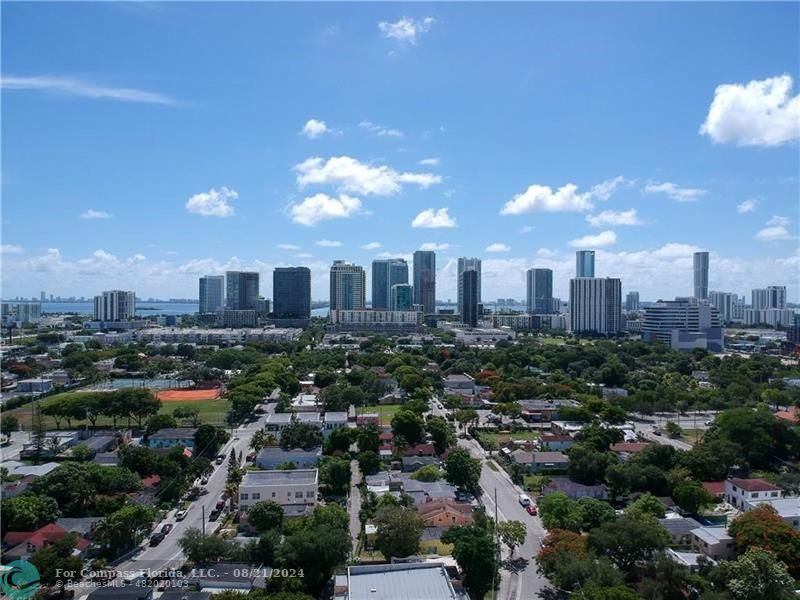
<point x="204" y="481"/>
<point x="531" y="508"/>
<point x="181" y="515"/>
<point x="220" y="505"/>
<point x="156" y="538"/>
<point x="524" y="500"/>
<point x="220" y="459"/>
<point x="166" y="528"/>
<point x="214" y="515"/>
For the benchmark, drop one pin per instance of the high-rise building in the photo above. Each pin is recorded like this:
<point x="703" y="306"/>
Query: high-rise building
<point x="348" y="286"/>
<point x="584" y="263"/>
<point x="729" y="306"/>
<point x="212" y="293"/>
<point x="42" y="296"/>
<point x="463" y="265"/>
<point x="425" y="280"/>
<point x="683" y="324"/>
<point x="115" y="305"/>
<point x="540" y="291"/>
<point x="242" y="290"/>
<point x="469" y="283"/>
<point x="291" y="292"/>
<point x="595" y="305"/>
<point x="773" y="296"/>
<point x="701" y="275"/>
<point x="22" y="312"/>
<point x="402" y="297"/>
<point x="632" y="301"/>
<point x="385" y="274"/>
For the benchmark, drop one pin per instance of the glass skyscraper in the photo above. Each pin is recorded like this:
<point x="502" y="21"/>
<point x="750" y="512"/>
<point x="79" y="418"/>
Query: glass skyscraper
<point x="291" y="292"/>
<point x="425" y="280"/>
<point x="584" y="263"/>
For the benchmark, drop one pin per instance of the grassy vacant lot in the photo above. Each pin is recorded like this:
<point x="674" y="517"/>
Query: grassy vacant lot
<point x="519" y="435"/>
<point x="692" y="436"/>
<point x="210" y="411"/>
<point x="386" y="411"/>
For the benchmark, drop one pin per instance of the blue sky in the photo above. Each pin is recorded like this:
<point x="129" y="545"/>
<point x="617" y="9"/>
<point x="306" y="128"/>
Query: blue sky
<point x="145" y="145"/>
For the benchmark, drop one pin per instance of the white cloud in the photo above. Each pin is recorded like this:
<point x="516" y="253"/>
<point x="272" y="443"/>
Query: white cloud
<point x="540" y="198"/>
<point x="777" y="228"/>
<point x="314" y="128"/>
<point x="525" y="229"/>
<point x="405" y="256"/>
<point x="348" y="174"/>
<point x="329" y="243"/>
<point x="747" y="206"/>
<point x="406" y="29"/>
<point x="432" y="218"/>
<point x="432" y="162"/>
<point x="610" y="217"/>
<point x="432" y="246"/>
<point x="214" y="203"/>
<point x="95" y="214"/>
<point x="380" y="130"/>
<point x="675" y="192"/>
<point x="287" y="247"/>
<point x="321" y="207"/>
<point x="372" y="246"/>
<point x="79" y="87"/>
<point x="604" y="189"/>
<point x="604" y="238"/>
<point x="303" y="255"/>
<point x="498" y="247"/>
<point x="11" y="249"/>
<point x="760" y="113"/>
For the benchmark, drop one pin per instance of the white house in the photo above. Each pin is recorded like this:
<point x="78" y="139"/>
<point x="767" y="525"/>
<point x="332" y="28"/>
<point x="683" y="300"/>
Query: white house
<point x="743" y="493"/>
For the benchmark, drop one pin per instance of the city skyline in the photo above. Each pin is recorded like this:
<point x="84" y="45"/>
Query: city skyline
<point x="411" y="161"/>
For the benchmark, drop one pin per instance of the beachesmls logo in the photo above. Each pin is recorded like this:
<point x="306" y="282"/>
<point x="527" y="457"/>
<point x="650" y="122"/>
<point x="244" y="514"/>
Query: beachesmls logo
<point x="20" y="580"/>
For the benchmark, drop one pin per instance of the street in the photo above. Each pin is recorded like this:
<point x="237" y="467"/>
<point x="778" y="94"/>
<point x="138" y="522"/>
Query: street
<point x="354" y="504"/>
<point x="168" y="554"/>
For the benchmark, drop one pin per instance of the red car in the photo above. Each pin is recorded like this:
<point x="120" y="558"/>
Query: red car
<point x="531" y="508"/>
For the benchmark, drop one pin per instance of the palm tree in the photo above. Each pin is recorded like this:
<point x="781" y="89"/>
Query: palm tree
<point x="271" y="440"/>
<point x="258" y="441"/>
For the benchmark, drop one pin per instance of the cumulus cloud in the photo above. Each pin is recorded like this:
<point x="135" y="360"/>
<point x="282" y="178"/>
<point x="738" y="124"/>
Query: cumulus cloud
<point x="675" y="192"/>
<point x="747" y="206"/>
<point x="11" y="249"/>
<point x="372" y="246"/>
<point x="430" y="162"/>
<point x="759" y="113"/>
<point x="95" y="214"/>
<point x="433" y="218"/>
<point x="433" y="246"/>
<point x="314" y="128"/>
<point x="328" y="243"/>
<point x="610" y="217"/>
<point x="541" y="198"/>
<point x="380" y="130"/>
<point x="498" y="247"/>
<point x="406" y="29"/>
<point x="321" y="207"/>
<point x="777" y="229"/>
<point x="214" y="203"/>
<point x="604" y="238"/>
<point x="80" y="87"/>
<point x="350" y="175"/>
<point x="287" y="247"/>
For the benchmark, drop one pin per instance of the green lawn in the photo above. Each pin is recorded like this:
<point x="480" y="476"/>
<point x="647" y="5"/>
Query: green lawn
<point x="210" y="411"/>
<point x="692" y="436"/>
<point x="386" y="411"/>
<point x="519" y="435"/>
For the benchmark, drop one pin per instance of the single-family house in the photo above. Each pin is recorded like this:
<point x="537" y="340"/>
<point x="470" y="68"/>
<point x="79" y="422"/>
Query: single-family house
<point x="556" y="442"/>
<point x="459" y="384"/>
<point x="680" y="528"/>
<point x="742" y="493"/>
<point x="626" y="450"/>
<point x="412" y="464"/>
<point x="689" y="560"/>
<point x="714" y="542"/>
<point x="538" y="410"/>
<point x="332" y="421"/>
<point x="420" y="450"/>
<point x="445" y="512"/>
<point x="20" y="545"/>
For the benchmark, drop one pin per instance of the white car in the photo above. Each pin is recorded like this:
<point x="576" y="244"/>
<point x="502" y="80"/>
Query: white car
<point x="181" y="515"/>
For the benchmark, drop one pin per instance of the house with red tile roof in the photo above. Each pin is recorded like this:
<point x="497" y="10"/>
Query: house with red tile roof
<point x="739" y="493"/>
<point x="420" y="450"/>
<point x="20" y="545"/>
<point x="715" y="488"/>
<point x="445" y="512"/>
<point x="792" y="415"/>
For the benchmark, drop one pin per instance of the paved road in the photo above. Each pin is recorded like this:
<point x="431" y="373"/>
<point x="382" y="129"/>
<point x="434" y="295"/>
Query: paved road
<point x="520" y="580"/>
<point x="168" y="554"/>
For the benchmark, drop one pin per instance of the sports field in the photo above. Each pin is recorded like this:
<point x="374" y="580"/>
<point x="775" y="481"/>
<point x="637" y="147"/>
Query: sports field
<point x="190" y="395"/>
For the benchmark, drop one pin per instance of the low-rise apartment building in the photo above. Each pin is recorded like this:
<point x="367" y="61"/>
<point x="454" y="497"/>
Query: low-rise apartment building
<point x="295" y="491"/>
